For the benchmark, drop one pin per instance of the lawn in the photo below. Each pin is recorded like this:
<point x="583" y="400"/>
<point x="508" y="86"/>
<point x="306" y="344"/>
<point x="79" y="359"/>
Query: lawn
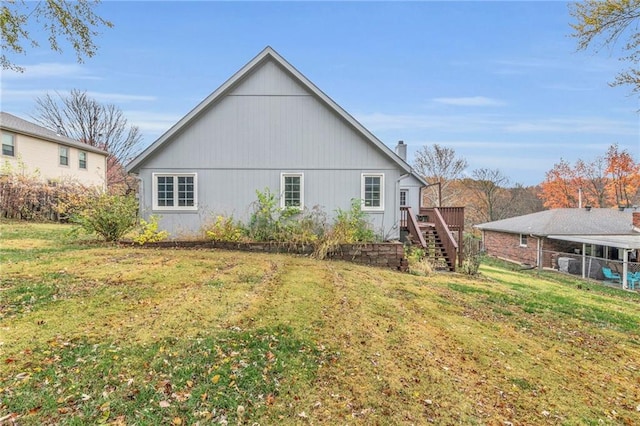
<point x="93" y="333"/>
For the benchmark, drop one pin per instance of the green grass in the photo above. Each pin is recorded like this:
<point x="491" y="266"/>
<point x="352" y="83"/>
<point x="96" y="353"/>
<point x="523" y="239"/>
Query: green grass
<point x="103" y="334"/>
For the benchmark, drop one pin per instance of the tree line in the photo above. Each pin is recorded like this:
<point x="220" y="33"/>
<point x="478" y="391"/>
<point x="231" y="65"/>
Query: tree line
<point x="609" y="180"/>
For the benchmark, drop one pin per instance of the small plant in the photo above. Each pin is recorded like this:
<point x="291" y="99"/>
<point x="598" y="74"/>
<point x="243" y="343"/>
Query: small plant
<point x="149" y="232"/>
<point x="225" y="229"/>
<point x="419" y="264"/>
<point x="109" y="216"/>
<point x="263" y="224"/>
<point x="349" y="227"/>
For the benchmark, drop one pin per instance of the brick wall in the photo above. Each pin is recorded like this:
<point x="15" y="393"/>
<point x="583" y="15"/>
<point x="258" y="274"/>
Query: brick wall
<point x="507" y="246"/>
<point x="385" y="255"/>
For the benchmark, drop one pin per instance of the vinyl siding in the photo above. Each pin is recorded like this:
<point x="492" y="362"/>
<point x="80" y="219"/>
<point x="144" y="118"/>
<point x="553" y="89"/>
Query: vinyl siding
<point x="41" y="158"/>
<point x="267" y="125"/>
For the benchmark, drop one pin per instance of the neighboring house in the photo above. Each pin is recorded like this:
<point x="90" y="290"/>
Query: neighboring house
<point x="268" y="126"/>
<point x="537" y="238"/>
<point x="32" y="149"/>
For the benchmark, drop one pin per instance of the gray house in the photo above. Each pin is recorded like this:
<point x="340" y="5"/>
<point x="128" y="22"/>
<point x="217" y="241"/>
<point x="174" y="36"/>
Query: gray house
<point x="268" y="126"/>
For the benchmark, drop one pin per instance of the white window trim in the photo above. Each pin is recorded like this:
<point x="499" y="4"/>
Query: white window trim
<point x="292" y="174"/>
<point x="362" y="190"/>
<point x="60" y="148"/>
<point x="86" y="160"/>
<point x="406" y="197"/>
<point x="13" y="144"/>
<point x="154" y="182"/>
<point x="526" y="240"/>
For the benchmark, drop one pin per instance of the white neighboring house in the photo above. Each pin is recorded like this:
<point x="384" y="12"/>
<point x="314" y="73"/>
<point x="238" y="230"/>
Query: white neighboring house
<point x="37" y="150"/>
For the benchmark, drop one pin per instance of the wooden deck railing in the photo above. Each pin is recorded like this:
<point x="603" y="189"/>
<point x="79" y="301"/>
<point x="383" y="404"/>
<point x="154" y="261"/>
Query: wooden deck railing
<point x="449" y="244"/>
<point x="453" y="216"/>
<point x="408" y="219"/>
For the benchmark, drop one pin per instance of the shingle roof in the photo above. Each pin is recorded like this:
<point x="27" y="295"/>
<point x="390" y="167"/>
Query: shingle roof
<point x="18" y="125"/>
<point x="567" y="222"/>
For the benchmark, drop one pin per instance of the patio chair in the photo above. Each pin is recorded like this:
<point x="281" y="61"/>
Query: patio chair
<point x="632" y="279"/>
<point x="611" y="276"/>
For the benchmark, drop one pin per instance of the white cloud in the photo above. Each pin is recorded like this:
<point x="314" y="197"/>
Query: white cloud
<point x="151" y="124"/>
<point x="473" y="101"/>
<point x="120" y="97"/>
<point x="50" y="70"/>
<point x="573" y="125"/>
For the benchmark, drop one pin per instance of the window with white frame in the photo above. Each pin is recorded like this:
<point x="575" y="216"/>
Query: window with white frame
<point x="403" y="197"/>
<point x="8" y="144"/>
<point x="292" y="190"/>
<point x="523" y="240"/>
<point x="82" y="160"/>
<point x="372" y="191"/>
<point x="175" y="191"/>
<point x="64" y="155"/>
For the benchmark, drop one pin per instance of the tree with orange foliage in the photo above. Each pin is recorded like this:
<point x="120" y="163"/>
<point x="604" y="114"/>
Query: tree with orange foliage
<point x="624" y="174"/>
<point x="561" y="186"/>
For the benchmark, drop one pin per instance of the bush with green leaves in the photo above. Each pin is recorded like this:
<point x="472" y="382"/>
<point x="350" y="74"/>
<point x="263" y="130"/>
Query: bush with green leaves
<point x="108" y="216"/>
<point x="149" y="232"/>
<point x="225" y="229"/>
<point x="349" y="227"/>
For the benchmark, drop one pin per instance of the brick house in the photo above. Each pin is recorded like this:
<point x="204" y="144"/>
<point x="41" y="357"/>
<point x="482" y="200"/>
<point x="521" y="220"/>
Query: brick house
<point x="539" y="239"/>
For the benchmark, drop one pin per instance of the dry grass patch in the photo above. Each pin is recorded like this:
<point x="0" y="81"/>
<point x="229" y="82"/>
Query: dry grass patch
<point x="193" y="334"/>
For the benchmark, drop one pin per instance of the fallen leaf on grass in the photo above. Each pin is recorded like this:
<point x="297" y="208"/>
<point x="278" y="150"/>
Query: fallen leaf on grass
<point x="164" y="404"/>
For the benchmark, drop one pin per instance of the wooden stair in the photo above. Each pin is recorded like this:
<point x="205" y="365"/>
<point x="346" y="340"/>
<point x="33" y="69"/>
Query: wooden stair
<point x="436" y="237"/>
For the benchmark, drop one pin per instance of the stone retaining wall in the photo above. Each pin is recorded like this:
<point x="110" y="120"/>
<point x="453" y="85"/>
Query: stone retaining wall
<point x="385" y="255"/>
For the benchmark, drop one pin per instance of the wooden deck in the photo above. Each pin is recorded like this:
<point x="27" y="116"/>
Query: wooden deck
<point x="438" y="230"/>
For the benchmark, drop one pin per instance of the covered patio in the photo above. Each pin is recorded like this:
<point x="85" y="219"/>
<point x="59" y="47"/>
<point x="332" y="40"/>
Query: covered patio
<point x="629" y="245"/>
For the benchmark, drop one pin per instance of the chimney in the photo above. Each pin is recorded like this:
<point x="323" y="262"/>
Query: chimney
<point x="636" y="220"/>
<point x="401" y="150"/>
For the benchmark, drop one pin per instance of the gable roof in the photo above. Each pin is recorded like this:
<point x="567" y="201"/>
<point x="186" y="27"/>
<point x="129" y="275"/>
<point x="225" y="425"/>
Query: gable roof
<point x="18" y="125"/>
<point x="558" y="222"/>
<point x="268" y="54"/>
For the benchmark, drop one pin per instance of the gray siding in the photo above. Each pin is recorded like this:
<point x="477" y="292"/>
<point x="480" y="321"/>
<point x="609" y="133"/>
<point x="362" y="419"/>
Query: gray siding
<point x="267" y="125"/>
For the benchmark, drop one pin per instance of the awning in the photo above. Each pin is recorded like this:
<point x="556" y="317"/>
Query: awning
<point x="620" y="241"/>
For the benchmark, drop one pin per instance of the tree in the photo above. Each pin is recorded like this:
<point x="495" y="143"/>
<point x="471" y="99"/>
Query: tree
<point x="489" y="188"/>
<point x="604" y="23"/>
<point x="591" y="179"/>
<point x="603" y="182"/>
<point x="82" y="118"/>
<point x="559" y="188"/>
<point x="438" y="164"/>
<point x="624" y="173"/>
<point x="76" y="22"/>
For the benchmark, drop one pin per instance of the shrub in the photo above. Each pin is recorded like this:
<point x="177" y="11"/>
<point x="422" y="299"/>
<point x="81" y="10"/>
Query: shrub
<point x="263" y="224"/>
<point x="149" y="233"/>
<point x="109" y="216"/>
<point x="28" y="197"/>
<point x="419" y="264"/>
<point x="351" y="226"/>
<point x="225" y="229"/>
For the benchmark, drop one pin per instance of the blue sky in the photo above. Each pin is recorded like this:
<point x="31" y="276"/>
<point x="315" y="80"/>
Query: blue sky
<point x="499" y="82"/>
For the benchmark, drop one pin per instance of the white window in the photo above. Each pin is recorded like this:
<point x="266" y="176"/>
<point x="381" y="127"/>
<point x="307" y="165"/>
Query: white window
<point x="403" y="197"/>
<point x="292" y="190"/>
<point x="64" y="156"/>
<point x="372" y="191"/>
<point x="523" y="240"/>
<point x="175" y="191"/>
<point x="8" y="144"/>
<point x="82" y="160"/>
